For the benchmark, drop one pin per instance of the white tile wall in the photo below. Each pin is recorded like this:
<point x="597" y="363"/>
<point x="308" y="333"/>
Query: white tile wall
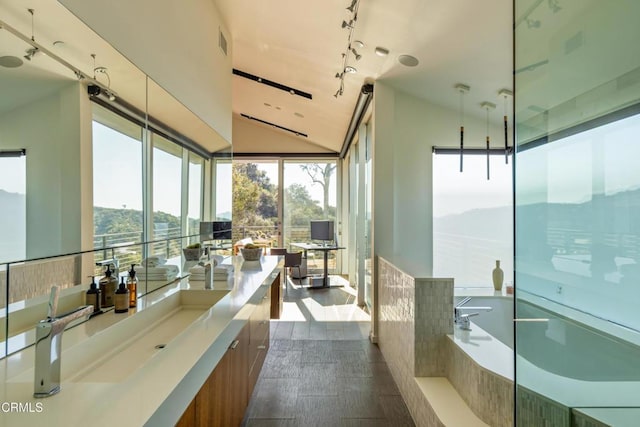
<point x="415" y="316"/>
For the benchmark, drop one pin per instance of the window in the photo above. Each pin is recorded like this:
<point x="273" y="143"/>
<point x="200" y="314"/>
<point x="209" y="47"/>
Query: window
<point x="167" y="190"/>
<point x="194" y="212"/>
<point x="13" y="211"/>
<point x="472" y="219"/>
<point x="117" y="179"/>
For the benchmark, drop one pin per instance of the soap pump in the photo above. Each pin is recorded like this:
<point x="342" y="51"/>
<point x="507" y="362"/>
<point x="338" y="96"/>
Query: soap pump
<point x="93" y="297"/>
<point x="132" y="286"/>
<point x="122" y="298"/>
<point x="108" y="285"/>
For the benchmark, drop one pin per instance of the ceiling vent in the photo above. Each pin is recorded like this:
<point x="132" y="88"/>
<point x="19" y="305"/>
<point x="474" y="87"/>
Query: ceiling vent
<point x="222" y="42"/>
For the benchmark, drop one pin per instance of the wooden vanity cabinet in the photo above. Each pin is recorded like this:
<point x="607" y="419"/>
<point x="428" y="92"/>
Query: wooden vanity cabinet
<point x="224" y="397"/>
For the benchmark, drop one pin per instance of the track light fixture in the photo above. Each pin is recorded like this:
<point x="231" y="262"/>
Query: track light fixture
<point x="30" y="53"/>
<point x="350" y="24"/>
<point x="95" y="90"/>
<point x="346" y="24"/>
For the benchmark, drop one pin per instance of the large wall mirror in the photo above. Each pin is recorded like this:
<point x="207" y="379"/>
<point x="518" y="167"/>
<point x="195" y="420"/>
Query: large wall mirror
<point x="95" y="159"/>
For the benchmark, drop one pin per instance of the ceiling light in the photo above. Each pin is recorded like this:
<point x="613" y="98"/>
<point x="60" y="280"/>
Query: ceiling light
<point x="10" y="61"/>
<point x="58" y="43"/>
<point x="349" y="69"/>
<point x="381" y="51"/>
<point x="298" y="115"/>
<point x="408" y="60"/>
<point x="267" y="104"/>
<point x="358" y="44"/>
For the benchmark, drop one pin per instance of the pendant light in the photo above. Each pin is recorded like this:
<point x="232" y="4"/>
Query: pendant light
<point x="463" y="89"/>
<point x="488" y="106"/>
<point x="506" y="93"/>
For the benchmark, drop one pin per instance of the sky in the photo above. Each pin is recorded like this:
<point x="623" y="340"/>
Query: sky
<point x="13" y="175"/>
<point x="455" y="192"/>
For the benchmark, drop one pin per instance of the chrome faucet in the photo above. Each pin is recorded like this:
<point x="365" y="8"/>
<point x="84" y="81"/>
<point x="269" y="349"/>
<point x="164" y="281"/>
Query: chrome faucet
<point x="462" y="320"/>
<point x="49" y="344"/>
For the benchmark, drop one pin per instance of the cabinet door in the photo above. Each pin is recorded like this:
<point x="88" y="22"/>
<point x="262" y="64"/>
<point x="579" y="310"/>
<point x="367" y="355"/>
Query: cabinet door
<point x="188" y="419"/>
<point x="222" y="400"/>
<point x="277" y="298"/>
<point x="238" y="377"/>
<point x="212" y="401"/>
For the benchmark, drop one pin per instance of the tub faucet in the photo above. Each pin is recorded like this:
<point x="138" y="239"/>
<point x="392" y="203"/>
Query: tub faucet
<point x="49" y="344"/>
<point x="462" y="320"/>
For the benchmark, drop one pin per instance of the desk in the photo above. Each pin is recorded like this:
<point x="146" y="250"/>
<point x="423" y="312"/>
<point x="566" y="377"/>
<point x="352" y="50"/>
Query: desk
<point x="325" y="250"/>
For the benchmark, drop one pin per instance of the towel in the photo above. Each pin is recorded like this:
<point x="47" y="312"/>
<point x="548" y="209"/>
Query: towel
<point x="154" y="261"/>
<point x="163" y="273"/>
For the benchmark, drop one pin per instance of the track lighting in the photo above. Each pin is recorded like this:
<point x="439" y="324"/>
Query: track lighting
<point x="31" y="53"/>
<point x="346" y="24"/>
<point x="533" y="23"/>
<point x="554" y="5"/>
<point x="347" y="69"/>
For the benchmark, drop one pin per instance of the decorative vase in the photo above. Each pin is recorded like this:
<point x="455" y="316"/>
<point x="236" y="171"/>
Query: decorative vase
<point x="498" y="276"/>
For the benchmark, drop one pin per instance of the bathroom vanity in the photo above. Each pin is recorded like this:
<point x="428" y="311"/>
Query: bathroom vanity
<point x="185" y="355"/>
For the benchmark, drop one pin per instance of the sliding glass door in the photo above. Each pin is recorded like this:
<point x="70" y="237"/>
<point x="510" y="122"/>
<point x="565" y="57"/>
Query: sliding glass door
<point x="255" y="201"/>
<point x="309" y="194"/>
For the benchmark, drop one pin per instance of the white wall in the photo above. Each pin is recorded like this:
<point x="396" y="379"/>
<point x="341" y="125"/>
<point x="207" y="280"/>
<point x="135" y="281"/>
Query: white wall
<point x="404" y="130"/>
<point x="55" y="131"/>
<point x="176" y="44"/>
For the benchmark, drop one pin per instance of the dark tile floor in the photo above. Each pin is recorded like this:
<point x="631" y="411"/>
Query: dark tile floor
<point x="321" y="369"/>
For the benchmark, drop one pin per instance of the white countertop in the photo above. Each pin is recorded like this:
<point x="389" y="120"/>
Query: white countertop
<point x="158" y="393"/>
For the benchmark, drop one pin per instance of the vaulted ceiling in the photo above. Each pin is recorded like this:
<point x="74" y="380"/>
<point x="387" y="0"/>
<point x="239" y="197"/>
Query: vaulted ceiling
<point x="300" y="44"/>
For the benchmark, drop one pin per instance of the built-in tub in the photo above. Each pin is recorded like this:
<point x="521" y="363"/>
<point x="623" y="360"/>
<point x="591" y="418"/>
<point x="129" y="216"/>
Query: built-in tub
<point x="583" y="363"/>
<point x="557" y="344"/>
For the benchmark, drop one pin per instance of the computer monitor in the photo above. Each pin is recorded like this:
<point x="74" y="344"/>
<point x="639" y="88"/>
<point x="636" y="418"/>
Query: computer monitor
<point x="322" y="230"/>
<point x="215" y="230"/>
<point x="222" y="230"/>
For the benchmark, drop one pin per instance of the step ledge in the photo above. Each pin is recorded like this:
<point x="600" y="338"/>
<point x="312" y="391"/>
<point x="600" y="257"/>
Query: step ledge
<point x="449" y="407"/>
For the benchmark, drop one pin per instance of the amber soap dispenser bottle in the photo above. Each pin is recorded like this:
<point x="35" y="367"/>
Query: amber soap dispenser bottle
<point x="122" y="298"/>
<point x="132" y="286"/>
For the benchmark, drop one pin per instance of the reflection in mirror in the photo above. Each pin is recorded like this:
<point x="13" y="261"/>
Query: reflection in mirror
<point x="92" y="176"/>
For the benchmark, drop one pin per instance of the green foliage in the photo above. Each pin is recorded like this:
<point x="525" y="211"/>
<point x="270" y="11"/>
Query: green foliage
<point x="301" y="207"/>
<point x="254" y="196"/>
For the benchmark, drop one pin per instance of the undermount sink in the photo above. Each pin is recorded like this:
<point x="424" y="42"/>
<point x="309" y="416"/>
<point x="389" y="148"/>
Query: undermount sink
<point x="112" y="354"/>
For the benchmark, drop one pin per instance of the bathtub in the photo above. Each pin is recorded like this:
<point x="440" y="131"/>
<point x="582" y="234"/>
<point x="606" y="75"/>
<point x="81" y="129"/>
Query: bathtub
<point x="573" y="363"/>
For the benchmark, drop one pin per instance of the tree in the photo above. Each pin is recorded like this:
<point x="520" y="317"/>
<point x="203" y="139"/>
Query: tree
<point x="300" y="206"/>
<point x="321" y="174"/>
<point x="254" y="196"/>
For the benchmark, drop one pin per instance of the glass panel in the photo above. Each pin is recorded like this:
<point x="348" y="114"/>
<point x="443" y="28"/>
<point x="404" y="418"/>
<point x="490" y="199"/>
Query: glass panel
<point x="577" y="239"/>
<point x="473" y="219"/>
<point x="13" y="209"/>
<point x="309" y="194"/>
<point x="368" y="244"/>
<point x="255" y="202"/>
<point x="224" y="197"/>
<point x="194" y="214"/>
<point x="167" y="188"/>
<point x="117" y="184"/>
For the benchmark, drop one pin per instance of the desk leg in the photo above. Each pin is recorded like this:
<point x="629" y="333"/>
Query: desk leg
<point x="325" y="279"/>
